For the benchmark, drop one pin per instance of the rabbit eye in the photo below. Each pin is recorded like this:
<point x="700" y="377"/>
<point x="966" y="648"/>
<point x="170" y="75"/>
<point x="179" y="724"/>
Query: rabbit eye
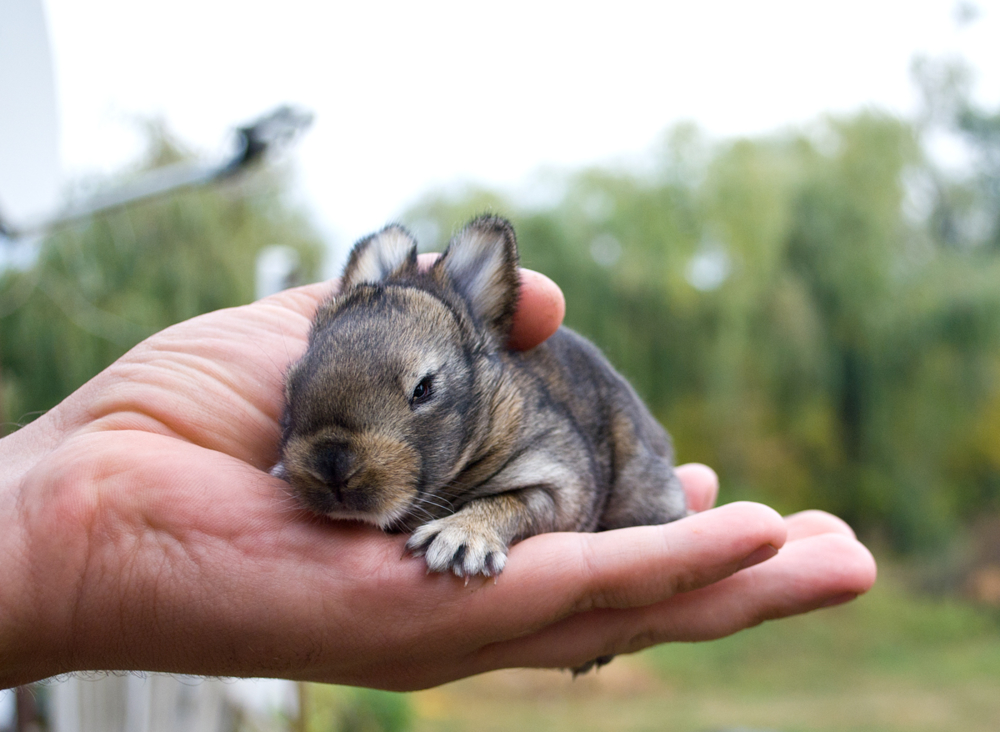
<point x="422" y="392"/>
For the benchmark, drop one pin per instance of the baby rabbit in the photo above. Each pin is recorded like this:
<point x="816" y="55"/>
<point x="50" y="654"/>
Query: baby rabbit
<point x="408" y="411"/>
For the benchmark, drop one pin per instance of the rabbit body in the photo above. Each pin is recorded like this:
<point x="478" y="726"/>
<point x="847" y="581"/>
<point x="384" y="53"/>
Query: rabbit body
<point x="408" y="411"/>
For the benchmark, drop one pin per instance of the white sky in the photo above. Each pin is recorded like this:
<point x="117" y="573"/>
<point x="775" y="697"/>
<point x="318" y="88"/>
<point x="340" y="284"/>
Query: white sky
<point x="409" y="95"/>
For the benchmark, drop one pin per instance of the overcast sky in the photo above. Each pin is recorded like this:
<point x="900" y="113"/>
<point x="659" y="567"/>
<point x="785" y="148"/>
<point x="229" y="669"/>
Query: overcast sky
<point x="412" y="95"/>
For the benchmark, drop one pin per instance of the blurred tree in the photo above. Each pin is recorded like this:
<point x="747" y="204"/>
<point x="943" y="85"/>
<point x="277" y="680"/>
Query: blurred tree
<point x="96" y="290"/>
<point x="815" y="313"/>
<point x="787" y="318"/>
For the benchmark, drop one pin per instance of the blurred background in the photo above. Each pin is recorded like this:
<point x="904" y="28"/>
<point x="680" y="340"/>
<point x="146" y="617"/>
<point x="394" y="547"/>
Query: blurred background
<point x="781" y="221"/>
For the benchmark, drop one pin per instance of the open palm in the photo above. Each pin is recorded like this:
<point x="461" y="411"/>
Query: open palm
<point x="149" y="535"/>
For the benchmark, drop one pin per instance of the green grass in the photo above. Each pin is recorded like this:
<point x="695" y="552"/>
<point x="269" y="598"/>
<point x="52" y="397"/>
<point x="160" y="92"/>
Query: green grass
<point x="889" y="661"/>
<point x="888" y="635"/>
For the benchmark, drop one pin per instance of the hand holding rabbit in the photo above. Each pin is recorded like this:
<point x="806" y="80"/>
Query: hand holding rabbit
<point x="139" y="529"/>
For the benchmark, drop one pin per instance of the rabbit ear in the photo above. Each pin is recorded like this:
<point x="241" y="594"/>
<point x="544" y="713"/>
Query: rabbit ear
<point x="481" y="262"/>
<point x="376" y="257"/>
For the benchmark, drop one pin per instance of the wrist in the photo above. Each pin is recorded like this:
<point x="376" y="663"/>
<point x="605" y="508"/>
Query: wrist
<point x="22" y="654"/>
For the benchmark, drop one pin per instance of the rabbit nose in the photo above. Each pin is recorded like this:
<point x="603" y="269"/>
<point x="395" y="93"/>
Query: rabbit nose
<point x="335" y="465"/>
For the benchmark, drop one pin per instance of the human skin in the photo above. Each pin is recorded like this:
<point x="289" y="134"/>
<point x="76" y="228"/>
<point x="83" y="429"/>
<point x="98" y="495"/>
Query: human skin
<point x="140" y="530"/>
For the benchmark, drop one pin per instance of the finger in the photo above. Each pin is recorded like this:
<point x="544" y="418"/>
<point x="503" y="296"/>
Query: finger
<point x="811" y="523"/>
<point x="540" y="310"/>
<point x="540" y="307"/>
<point x="552" y="576"/>
<point x="806" y="575"/>
<point x="427" y="259"/>
<point x="701" y="485"/>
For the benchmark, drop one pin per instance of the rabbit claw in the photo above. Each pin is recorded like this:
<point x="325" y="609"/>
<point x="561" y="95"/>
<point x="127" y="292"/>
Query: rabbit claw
<point x="459" y="545"/>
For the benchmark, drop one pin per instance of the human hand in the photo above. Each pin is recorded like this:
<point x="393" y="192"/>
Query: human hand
<point x="142" y="531"/>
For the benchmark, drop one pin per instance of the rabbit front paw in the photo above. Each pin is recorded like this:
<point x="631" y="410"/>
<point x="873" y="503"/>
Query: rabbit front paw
<point x="461" y="544"/>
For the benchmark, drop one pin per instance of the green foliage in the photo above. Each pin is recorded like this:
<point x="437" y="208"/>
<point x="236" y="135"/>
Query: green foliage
<point x="889" y="634"/>
<point x="787" y="319"/>
<point x="890" y="661"/>
<point x="98" y="289"/>
<point x="345" y="709"/>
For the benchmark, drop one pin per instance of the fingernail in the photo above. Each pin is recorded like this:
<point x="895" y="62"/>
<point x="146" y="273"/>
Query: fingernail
<point x="758" y="555"/>
<point x="840" y="599"/>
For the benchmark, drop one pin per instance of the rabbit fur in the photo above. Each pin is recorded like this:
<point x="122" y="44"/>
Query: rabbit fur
<point x="408" y="411"/>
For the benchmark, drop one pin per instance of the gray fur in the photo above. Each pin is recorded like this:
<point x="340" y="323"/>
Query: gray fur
<point x="407" y="411"/>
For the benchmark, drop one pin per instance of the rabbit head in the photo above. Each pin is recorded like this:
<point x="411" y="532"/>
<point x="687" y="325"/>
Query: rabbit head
<point x="398" y="383"/>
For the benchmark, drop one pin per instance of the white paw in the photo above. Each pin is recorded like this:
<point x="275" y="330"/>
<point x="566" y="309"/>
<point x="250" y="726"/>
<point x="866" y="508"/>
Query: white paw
<point x="461" y="544"/>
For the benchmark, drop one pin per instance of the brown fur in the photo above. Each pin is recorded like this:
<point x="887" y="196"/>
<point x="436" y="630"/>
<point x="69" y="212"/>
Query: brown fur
<point x="407" y="411"/>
